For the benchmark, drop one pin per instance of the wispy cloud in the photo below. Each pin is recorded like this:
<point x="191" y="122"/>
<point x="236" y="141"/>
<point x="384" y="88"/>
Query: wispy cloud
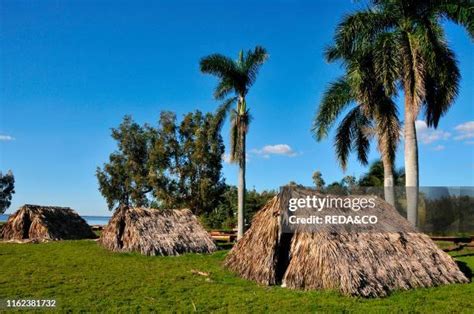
<point x="6" y="138"/>
<point x="278" y="149"/>
<point x="438" y="148"/>
<point x="427" y="135"/>
<point x="464" y="131"/>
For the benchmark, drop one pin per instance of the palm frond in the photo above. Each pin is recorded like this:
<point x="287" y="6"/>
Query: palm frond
<point x="252" y="63"/>
<point x="222" y="111"/>
<point x="337" y="97"/>
<point x="234" y="137"/>
<point x="332" y="53"/>
<point x="387" y="127"/>
<point x="458" y="11"/>
<point x="442" y="75"/>
<point x="218" y="65"/>
<point x="223" y="88"/>
<point x="357" y="31"/>
<point x="413" y="71"/>
<point x="362" y="143"/>
<point x="239" y="127"/>
<point x="344" y="137"/>
<point x="386" y="59"/>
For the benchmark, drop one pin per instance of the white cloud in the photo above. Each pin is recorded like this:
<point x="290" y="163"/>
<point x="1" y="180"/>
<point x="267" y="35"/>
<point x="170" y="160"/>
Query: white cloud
<point x="226" y="158"/>
<point x="464" y="131"/>
<point x="428" y="135"/>
<point x="438" y="148"/>
<point x="6" y="138"/>
<point x="278" y="149"/>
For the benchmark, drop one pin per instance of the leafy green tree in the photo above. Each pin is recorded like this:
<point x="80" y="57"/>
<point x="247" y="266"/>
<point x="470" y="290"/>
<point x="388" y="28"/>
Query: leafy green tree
<point x="406" y="43"/>
<point x="200" y="162"/>
<point x="350" y="182"/>
<point x="164" y="159"/>
<point x="174" y="165"/>
<point x="123" y="181"/>
<point x="236" y="77"/>
<point x="7" y="189"/>
<point x="224" y="215"/>
<point x="318" y="180"/>
<point x="375" y="176"/>
<point x="336" y="188"/>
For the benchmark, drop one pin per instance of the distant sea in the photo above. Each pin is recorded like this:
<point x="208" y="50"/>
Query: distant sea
<point x="91" y="220"/>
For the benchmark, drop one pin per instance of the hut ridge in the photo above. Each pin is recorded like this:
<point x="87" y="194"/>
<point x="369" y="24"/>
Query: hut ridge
<point x="156" y="232"/>
<point x="42" y="223"/>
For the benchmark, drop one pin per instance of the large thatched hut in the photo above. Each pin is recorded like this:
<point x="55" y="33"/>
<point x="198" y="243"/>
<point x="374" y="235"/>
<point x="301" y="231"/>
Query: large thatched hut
<point x="156" y="232"/>
<point x="367" y="263"/>
<point x="34" y="222"/>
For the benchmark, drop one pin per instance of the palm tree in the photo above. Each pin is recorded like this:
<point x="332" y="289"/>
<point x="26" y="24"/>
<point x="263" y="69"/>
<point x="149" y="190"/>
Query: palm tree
<point x="236" y="77"/>
<point x="374" y="114"/>
<point x="410" y="50"/>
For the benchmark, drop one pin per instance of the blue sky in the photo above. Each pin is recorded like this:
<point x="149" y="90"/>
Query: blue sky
<point x="70" y="70"/>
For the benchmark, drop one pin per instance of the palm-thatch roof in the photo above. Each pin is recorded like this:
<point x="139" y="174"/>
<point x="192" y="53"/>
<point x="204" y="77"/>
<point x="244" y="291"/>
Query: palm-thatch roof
<point x="34" y="222"/>
<point x="365" y="263"/>
<point x="156" y="232"/>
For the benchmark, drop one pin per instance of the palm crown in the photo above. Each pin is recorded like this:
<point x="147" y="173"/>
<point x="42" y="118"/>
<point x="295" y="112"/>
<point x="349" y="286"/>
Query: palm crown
<point x="235" y="77"/>
<point x="408" y="46"/>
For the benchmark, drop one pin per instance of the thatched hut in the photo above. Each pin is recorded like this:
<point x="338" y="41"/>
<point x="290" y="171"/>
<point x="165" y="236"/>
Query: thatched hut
<point x="156" y="232"/>
<point x="39" y="223"/>
<point x="365" y="263"/>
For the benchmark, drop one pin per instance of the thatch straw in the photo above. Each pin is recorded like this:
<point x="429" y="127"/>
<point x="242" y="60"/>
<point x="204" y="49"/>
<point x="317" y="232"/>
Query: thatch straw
<point x="40" y="223"/>
<point x="156" y="232"/>
<point x="367" y="264"/>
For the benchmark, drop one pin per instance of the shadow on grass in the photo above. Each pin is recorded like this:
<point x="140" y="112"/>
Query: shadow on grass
<point x="224" y="246"/>
<point x="464" y="255"/>
<point x="464" y="268"/>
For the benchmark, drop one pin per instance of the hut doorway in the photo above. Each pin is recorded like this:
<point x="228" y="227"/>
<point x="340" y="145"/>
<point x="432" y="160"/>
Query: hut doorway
<point x="121" y="230"/>
<point x="283" y="256"/>
<point x="26" y="226"/>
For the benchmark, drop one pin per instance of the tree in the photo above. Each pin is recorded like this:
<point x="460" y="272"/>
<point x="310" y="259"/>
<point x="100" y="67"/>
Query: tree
<point x="350" y="182"/>
<point x="224" y="214"/>
<point x="7" y="189"/>
<point x="410" y="50"/>
<point x="336" y="188"/>
<point x="374" y="114"/>
<point x="236" y="77"/>
<point x="173" y="165"/>
<point x="200" y="162"/>
<point x="124" y="180"/>
<point x="318" y="181"/>
<point x="375" y="176"/>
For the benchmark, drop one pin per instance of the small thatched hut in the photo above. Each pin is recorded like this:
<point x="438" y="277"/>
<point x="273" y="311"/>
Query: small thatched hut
<point x="156" y="232"/>
<point x="39" y="223"/>
<point x="367" y="264"/>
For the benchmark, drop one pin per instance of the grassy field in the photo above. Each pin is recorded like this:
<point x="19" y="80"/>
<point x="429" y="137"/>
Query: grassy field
<point x="80" y="275"/>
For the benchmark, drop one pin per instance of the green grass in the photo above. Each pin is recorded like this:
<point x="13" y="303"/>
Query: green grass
<point x="80" y="275"/>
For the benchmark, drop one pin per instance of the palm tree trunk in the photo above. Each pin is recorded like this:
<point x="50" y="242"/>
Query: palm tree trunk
<point x="411" y="162"/>
<point x="241" y="186"/>
<point x="389" y="190"/>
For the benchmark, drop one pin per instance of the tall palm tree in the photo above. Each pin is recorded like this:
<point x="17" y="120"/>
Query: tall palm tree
<point x="377" y="118"/>
<point x="410" y="50"/>
<point x="236" y="77"/>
